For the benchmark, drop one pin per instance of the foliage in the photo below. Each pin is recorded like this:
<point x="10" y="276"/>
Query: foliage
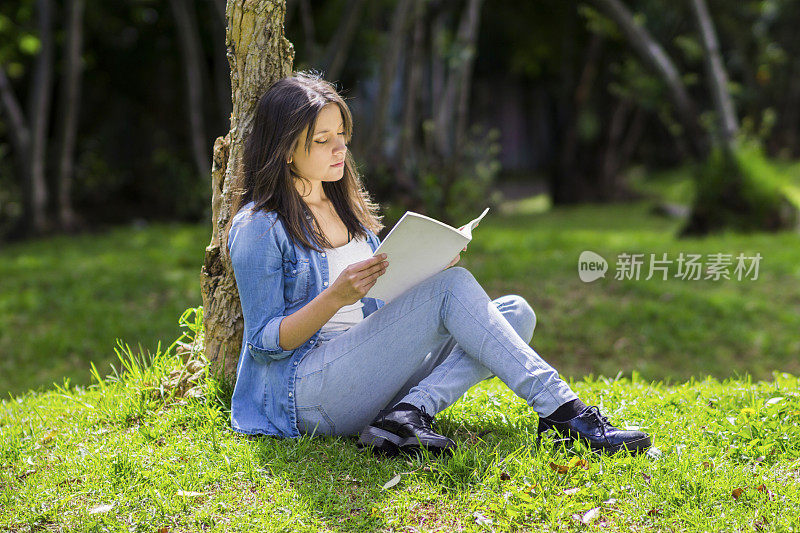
<point x="473" y="177"/>
<point x="744" y="192"/>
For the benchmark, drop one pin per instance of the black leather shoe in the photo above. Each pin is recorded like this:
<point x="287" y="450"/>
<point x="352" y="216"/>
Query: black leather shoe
<point x="404" y="428"/>
<point x="593" y="429"/>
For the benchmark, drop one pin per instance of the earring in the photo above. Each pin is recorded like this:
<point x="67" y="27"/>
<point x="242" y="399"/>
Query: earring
<point x="289" y="162"/>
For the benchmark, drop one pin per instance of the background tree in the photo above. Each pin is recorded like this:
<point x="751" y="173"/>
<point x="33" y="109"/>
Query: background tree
<point x="729" y="194"/>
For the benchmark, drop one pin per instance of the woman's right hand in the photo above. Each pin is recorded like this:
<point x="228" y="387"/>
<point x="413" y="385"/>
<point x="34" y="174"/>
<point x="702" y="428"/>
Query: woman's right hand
<point x="357" y="279"/>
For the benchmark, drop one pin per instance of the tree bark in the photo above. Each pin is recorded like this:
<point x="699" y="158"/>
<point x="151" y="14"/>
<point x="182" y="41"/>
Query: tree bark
<point x="192" y="61"/>
<point x="39" y="115"/>
<point x="456" y="104"/>
<point x="568" y="187"/>
<point x="19" y="132"/>
<point x="409" y="156"/>
<point x="655" y="58"/>
<point x="70" y="105"/>
<point x="259" y="55"/>
<point x="717" y="76"/>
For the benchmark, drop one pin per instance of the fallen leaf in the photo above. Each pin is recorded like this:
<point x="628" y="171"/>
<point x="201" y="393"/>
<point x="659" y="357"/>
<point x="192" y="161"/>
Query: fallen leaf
<point x="653" y="453"/>
<point x="561" y="469"/>
<point x="26" y="473"/>
<point x="708" y="464"/>
<point x="392" y="482"/>
<point x="504" y="476"/>
<point x="578" y="462"/>
<point x="481" y="519"/>
<point x="50" y="436"/>
<point x="761" y="488"/>
<point x="590" y="515"/>
<point x="646" y="477"/>
<point x="189" y="493"/>
<point x="101" y="509"/>
<point x="654" y="512"/>
<point x="737" y="492"/>
<point x="164" y="529"/>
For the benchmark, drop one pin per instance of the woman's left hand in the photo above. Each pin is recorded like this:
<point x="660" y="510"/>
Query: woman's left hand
<point x="454" y="261"/>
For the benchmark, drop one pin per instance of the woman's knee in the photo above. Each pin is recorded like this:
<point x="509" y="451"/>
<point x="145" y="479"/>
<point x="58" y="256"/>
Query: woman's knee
<point x="519" y="314"/>
<point x="456" y="277"/>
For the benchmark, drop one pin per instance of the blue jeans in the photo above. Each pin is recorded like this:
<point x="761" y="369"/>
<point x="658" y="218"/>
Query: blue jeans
<point x="426" y="347"/>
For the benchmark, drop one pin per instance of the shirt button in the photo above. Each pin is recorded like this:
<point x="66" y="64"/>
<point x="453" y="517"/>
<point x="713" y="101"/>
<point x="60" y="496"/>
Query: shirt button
<point x="326" y="283"/>
<point x="294" y="271"/>
<point x="290" y="395"/>
<point x="295" y="363"/>
<point x="323" y="254"/>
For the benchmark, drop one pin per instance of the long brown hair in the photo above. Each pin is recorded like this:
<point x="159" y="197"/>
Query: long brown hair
<point x="286" y="108"/>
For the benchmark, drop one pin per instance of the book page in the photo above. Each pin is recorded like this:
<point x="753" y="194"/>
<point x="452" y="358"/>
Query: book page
<point x="418" y="247"/>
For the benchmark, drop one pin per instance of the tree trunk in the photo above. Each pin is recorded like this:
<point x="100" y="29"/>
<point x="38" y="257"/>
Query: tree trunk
<point x="655" y="58"/>
<point x="569" y="186"/>
<point x="259" y="55"/>
<point x="391" y="57"/>
<point x="39" y="115"/>
<point x="70" y="104"/>
<point x="192" y="62"/>
<point x="717" y="77"/>
<point x="339" y="46"/>
<point x="409" y="156"/>
<point x="454" y="115"/>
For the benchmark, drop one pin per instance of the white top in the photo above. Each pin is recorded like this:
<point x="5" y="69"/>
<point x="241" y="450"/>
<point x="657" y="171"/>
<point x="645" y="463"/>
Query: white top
<point x="340" y="258"/>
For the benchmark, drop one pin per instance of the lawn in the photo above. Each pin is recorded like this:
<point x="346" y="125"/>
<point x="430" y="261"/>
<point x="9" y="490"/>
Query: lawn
<point x="124" y="454"/>
<point x="65" y="301"/>
<point x="707" y="367"/>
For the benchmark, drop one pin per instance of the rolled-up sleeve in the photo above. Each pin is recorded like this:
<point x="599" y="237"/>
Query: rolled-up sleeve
<point x="258" y="269"/>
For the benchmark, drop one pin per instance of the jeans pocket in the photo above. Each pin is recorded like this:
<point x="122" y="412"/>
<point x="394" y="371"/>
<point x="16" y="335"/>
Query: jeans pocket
<point x="313" y="420"/>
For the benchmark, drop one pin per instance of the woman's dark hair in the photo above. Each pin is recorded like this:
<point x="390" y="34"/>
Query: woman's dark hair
<point x="286" y="108"/>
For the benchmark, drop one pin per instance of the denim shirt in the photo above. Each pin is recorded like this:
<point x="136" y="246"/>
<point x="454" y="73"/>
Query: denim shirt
<point x="275" y="278"/>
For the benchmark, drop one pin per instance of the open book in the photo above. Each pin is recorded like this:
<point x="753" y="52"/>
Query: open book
<point x="418" y="247"/>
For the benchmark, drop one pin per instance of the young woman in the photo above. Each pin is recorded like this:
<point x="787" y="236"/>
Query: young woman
<point x="318" y="356"/>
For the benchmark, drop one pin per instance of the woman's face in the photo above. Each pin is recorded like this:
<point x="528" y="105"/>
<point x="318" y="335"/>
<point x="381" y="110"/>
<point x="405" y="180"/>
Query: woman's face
<point x="327" y="148"/>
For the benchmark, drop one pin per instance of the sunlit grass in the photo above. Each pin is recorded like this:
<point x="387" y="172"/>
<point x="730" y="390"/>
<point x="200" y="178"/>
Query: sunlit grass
<point x="125" y="454"/>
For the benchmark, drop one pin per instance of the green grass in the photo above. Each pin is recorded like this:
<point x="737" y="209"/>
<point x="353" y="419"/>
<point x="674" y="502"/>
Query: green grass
<point x="64" y="300"/>
<point x="123" y="454"/>
<point x="127" y="453"/>
<point x="670" y="329"/>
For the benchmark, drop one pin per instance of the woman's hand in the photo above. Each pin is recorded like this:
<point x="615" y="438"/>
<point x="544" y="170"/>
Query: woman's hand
<point x="357" y="279"/>
<point x="454" y="261"/>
